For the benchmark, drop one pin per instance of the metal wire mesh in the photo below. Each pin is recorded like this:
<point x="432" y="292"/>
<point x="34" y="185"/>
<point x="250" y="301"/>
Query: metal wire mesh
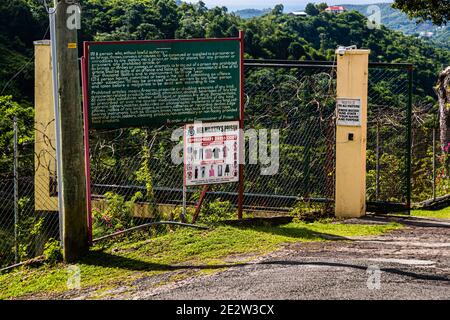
<point x="132" y="172"/>
<point x="131" y="166"/>
<point x="299" y="102"/>
<point x="391" y="112"/>
<point x="133" y="178"/>
<point x="7" y="242"/>
<point x="430" y="175"/>
<point x="387" y="138"/>
<point x="28" y="208"/>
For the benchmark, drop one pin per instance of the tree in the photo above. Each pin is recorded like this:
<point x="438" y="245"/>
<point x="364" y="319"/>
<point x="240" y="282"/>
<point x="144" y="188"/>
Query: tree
<point x="25" y="115"/>
<point x="19" y="27"/>
<point x="311" y="9"/>
<point x="438" y="11"/>
<point x="443" y="93"/>
<point x="278" y="10"/>
<point x="321" y="6"/>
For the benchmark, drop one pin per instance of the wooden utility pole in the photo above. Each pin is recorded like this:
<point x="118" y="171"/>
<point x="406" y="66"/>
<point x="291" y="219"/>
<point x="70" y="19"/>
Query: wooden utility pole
<point x="75" y="234"/>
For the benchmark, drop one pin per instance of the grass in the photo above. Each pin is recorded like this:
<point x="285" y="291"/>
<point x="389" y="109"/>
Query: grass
<point x="122" y="263"/>
<point x="439" y="214"/>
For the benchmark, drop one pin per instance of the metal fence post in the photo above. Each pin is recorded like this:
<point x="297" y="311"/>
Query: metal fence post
<point x="408" y="139"/>
<point x="16" y="191"/>
<point x="55" y="83"/>
<point x="377" y="182"/>
<point x="434" y="163"/>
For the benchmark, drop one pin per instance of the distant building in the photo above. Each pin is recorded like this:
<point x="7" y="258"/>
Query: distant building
<point x="299" y="13"/>
<point x="335" y="9"/>
<point x="426" y="34"/>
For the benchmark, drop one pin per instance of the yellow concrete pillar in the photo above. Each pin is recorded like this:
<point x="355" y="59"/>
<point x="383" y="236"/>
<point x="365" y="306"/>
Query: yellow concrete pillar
<point x="351" y="132"/>
<point x="45" y="155"/>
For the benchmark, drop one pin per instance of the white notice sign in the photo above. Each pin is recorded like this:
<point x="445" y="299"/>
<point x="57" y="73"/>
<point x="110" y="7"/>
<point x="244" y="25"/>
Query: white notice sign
<point x="348" y="112"/>
<point x="211" y="153"/>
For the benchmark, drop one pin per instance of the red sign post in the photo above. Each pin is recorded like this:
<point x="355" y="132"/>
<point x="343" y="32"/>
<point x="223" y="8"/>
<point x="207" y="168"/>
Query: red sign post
<point x="146" y="119"/>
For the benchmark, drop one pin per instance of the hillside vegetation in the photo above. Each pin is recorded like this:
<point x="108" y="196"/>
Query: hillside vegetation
<point x="272" y="36"/>
<point x="251" y="13"/>
<point x="396" y="20"/>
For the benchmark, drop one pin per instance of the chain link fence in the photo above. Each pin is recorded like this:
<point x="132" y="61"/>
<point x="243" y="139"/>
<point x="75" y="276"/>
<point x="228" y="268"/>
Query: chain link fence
<point x="134" y="180"/>
<point x="132" y="170"/>
<point x="405" y="164"/>
<point x="28" y="198"/>
<point x="298" y="100"/>
<point x="430" y="166"/>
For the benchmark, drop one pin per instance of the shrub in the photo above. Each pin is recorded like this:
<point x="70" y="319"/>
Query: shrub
<point x="216" y="211"/>
<point x="117" y="215"/>
<point x="305" y="211"/>
<point x="52" y="251"/>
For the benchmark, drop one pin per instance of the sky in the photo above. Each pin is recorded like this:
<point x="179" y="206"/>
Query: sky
<point x="289" y="5"/>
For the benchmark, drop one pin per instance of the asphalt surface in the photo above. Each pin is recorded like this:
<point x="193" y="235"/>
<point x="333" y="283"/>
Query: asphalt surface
<point x="411" y="263"/>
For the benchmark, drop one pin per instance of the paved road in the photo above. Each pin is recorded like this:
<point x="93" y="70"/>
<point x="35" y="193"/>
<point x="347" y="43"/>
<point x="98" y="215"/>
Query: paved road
<point x="412" y="263"/>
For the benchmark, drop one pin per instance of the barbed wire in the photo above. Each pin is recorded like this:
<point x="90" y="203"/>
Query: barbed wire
<point x="299" y="102"/>
<point x="22" y="68"/>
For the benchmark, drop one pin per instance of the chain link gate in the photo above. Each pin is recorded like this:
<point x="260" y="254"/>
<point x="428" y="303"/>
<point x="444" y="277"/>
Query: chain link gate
<point x="389" y="137"/>
<point x="131" y="166"/>
<point x="298" y="99"/>
<point x="309" y="89"/>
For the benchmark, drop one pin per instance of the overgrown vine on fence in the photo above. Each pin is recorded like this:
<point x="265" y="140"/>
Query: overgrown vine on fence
<point x="144" y="174"/>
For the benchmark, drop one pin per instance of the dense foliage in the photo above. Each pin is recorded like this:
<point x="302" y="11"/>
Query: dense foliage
<point x="397" y="20"/>
<point x="437" y="10"/>
<point x="284" y="99"/>
<point x="274" y="35"/>
<point x="24" y="113"/>
<point x="22" y="22"/>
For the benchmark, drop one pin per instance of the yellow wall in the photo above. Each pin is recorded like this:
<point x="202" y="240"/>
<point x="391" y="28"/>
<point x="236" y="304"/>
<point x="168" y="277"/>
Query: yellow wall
<point x="45" y="162"/>
<point x="140" y="209"/>
<point x="352" y="81"/>
<point x="45" y="153"/>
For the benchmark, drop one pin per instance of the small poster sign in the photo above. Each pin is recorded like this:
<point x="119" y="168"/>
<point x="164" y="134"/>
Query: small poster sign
<point x="348" y="112"/>
<point x="211" y="153"/>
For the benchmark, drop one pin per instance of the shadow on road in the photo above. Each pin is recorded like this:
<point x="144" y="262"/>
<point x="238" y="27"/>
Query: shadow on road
<point x="408" y="221"/>
<point x="301" y="233"/>
<point x="114" y="261"/>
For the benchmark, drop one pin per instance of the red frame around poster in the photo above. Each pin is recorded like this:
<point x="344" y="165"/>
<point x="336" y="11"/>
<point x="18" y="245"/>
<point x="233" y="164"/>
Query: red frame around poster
<point x="85" y="91"/>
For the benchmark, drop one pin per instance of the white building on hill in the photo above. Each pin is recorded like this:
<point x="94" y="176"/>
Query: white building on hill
<point x="299" y="13"/>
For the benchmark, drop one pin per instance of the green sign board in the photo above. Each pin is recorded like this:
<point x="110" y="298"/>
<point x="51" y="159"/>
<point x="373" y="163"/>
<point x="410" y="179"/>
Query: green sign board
<point x="149" y="83"/>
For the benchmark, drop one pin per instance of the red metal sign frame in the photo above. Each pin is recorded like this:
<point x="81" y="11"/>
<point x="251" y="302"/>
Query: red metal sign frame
<point x="85" y="92"/>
